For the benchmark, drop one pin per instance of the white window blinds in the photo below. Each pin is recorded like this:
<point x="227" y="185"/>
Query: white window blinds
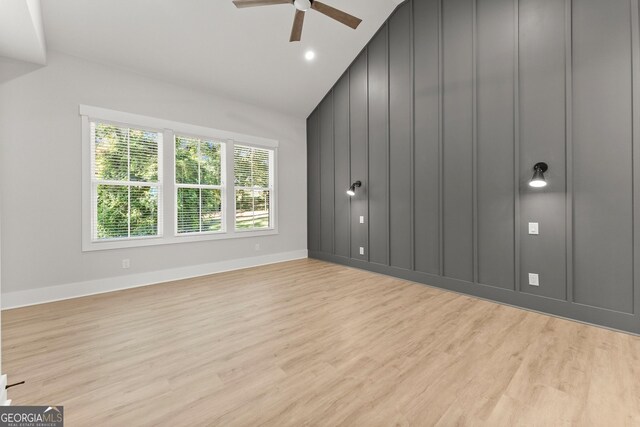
<point x="126" y="181"/>
<point x="199" y="185"/>
<point x="253" y="173"/>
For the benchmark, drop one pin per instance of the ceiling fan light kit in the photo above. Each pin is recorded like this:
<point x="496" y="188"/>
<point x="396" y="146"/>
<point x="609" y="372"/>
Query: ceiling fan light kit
<point x="302" y="6"/>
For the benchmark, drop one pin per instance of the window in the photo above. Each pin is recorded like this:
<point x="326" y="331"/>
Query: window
<point x="199" y="190"/>
<point x="216" y="184"/>
<point x="126" y="183"/>
<point x="253" y="168"/>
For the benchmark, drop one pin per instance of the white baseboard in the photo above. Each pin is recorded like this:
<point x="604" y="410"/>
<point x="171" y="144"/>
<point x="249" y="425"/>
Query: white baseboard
<point x="100" y="286"/>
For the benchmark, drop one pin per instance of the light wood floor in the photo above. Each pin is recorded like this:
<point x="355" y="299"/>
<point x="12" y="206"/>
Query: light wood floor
<point x="311" y="343"/>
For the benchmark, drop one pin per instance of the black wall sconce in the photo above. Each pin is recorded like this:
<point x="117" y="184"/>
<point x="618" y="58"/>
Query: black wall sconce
<point x="352" y="190"/>
<point x="538" y="180"/>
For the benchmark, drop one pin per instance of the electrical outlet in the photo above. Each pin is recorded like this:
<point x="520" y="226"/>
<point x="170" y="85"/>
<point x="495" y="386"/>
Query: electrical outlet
<point x="361" y="219"/>
<point x="257" y="246"/>
<point x="126" y="263"/>
<point x="533" y="228"/>
<point x="361" y="250"/>
<point x="534" y="279"/>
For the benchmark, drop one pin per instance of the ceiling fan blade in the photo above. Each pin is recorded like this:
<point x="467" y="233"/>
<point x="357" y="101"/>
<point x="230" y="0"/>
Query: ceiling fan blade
<point x="296" y="31"/>
<point x="254" y="3"/>
<point x="338" y="15"/>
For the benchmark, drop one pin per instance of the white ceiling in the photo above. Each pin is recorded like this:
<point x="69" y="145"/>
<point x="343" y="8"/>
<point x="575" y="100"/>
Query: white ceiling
<point x="212" y="45"/>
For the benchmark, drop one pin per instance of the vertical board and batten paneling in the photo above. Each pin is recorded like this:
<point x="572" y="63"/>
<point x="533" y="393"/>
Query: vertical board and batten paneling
<point x="400" y="101"/>
<point x="327" y="175"/>
<point x="457" y="33"/>
<point x="602" y="155"/>
<point x="442" y="118"/>
<point x="359" y="156"/>
<point x="313" y="181"/>
<point x="495" y="77"/>
<point x="342" y="217"/>
<point x="635" y="59"/>
<point x="377" y="188"/>
<point x="542" y="138"/>
<point x="426" y="136"/>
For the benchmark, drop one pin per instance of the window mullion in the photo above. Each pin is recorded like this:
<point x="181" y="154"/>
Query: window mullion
<point x="204" y="187"/>
<point x="128" y="210"/>
<point x="126" y="183"/>
<point x="129" y="180"/>
<point x="253" y="208"/>
<point x="170" y="224"/>
<point x="229" y="215"/>
<point x="200" y="209"/>
<point x="160" y="198"/>
<point x="253" y="194"/>
<point x="199" y="159"/>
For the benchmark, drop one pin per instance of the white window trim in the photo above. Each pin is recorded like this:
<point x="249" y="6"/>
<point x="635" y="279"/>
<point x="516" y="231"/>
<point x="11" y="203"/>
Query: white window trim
<point x="95" y="182"/>
<point x="222" y="187"/>
<point x="167" y="203"/>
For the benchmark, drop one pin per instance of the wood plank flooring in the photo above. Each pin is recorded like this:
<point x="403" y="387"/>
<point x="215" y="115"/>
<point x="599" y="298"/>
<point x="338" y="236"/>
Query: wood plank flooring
<point x="312" y="343"/>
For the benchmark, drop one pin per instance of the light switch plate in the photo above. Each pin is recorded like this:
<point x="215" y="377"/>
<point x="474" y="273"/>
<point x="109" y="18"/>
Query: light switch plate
<point x="126" y="263"/>
<point x="534" y="279"/>
<point x="533" y="228"/>
<point x="361" y="219"/>
<point x="361" y="250"/>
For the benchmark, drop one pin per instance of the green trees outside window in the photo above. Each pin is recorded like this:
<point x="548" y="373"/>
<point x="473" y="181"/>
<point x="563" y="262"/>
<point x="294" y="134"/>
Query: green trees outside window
<point x="127" y="184"/>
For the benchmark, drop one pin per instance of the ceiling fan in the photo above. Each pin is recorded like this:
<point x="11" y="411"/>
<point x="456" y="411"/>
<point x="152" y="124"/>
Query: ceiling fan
<point x="303" y="6"/>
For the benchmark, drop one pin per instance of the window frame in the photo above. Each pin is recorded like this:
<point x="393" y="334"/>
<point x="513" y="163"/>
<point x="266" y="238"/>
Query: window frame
<point x="167" y="193"/>
<point x="95" y="182"/>
<point x="270" y="188"/>
<point x="222" y="187"/>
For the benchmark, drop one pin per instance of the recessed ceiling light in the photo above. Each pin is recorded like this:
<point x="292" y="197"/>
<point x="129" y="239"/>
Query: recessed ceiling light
<point x="310" y="55"/>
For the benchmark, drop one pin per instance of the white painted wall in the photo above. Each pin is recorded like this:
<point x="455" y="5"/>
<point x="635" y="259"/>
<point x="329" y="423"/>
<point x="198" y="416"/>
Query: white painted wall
<point x="1" y="283"/>
<point x="40" y="174"/>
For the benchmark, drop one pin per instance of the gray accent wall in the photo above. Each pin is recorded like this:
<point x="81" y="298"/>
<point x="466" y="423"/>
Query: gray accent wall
<point x="442" y="117"/>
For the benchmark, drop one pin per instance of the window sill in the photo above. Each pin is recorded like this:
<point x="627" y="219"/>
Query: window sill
<point x="170" y="240"/>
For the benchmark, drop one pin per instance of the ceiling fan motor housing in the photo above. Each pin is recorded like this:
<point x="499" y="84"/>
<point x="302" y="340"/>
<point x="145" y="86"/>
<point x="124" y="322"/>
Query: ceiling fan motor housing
<point x="302" y="5"/>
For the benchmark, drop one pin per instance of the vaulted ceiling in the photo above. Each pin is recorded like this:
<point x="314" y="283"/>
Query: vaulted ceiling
<point x="21" y="35"/>
<point x="213" y="46"/>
